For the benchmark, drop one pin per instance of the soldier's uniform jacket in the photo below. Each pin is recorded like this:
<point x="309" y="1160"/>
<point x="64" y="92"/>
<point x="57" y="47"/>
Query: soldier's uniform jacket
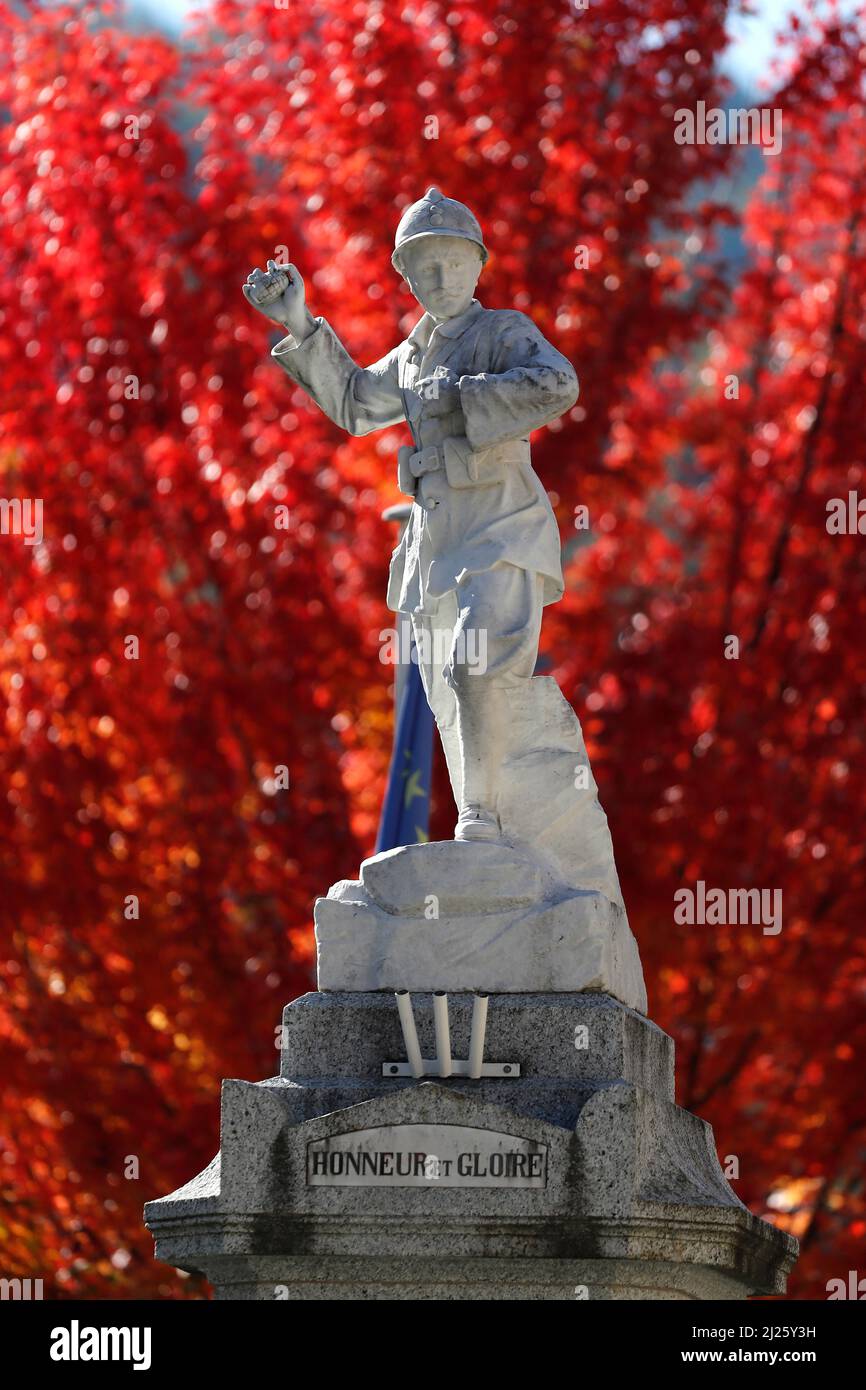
<point x="478" y="499"/>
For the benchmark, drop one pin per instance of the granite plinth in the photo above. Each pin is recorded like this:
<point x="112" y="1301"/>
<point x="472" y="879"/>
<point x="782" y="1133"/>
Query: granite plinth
<point x="581" y="1178"/>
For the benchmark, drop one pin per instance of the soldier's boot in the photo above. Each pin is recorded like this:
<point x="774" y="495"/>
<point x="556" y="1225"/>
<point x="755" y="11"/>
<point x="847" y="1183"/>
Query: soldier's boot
<point x="482" y="713"/>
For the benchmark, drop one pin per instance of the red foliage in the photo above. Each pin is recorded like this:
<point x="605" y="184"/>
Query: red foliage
<point x="139" y="403"/>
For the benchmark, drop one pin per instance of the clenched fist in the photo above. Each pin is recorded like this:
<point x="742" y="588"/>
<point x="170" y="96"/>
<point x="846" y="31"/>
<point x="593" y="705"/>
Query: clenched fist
<point x="278" y="293"/>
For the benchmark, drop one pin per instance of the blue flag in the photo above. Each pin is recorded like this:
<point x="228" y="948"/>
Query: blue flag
<point x="406" y="811"/>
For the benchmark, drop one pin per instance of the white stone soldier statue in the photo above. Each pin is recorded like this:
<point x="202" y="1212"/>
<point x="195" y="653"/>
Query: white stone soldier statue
<point x="480" y="557"/>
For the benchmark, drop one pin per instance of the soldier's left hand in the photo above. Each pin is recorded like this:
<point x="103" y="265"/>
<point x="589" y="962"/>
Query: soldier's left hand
<point x="439" y="396"/>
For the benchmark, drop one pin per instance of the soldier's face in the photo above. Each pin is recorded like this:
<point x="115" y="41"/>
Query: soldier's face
<point x="442" y="272"/>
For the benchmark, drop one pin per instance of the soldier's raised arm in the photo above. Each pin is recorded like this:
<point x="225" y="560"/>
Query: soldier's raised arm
<point x="358" y="399"/>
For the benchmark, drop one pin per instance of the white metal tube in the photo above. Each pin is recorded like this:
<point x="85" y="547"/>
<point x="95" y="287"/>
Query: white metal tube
<point x="479" y="1030"/>
<point x="443" y="1033"/>
<point x="410" y="1033"/>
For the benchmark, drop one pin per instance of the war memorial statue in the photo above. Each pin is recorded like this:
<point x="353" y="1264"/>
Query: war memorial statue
<point x="481" y="551"/>
<point x="473" y="1104"/>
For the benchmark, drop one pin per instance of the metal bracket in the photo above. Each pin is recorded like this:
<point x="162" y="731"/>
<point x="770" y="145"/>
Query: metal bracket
<point x="443" y="1064"/>
<point x="431" y="1068"/>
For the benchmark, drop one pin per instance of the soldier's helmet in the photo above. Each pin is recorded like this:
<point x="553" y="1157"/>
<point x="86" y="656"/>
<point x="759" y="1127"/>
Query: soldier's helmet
<point x="436" y="215"/>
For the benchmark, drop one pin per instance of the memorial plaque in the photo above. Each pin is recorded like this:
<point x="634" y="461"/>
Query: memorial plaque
<point x="426" y="1156"/>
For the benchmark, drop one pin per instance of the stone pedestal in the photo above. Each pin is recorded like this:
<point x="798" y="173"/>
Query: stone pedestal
<point x="574" y="1175"/>
<point x="503" y="923"/>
